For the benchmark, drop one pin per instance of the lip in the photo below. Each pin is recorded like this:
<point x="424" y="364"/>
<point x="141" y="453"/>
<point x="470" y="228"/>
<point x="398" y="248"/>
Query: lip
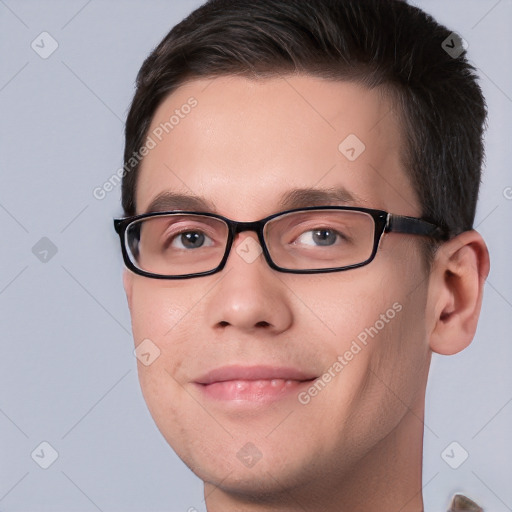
<point x="260" y="372"/>
<point x="252" y="384"/>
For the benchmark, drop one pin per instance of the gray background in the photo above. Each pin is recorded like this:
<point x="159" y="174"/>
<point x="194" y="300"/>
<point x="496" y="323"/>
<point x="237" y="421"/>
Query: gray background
<point x="67" y="367"/>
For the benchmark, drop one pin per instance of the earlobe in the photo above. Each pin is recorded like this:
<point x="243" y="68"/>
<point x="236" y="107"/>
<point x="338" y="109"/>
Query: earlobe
<point x="456" y="291"/>
<point x="128" y="284"/>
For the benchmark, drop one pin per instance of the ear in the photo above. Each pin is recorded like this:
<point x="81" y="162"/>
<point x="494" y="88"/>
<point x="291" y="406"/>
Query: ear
<point x="456" y="287"/>
<point x="128" y="284"/>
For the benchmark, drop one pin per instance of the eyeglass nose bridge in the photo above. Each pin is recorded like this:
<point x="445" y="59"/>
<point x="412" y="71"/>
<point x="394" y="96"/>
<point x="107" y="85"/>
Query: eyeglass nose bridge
<point x="236" y="227"/>
<point x="239" y="227"/>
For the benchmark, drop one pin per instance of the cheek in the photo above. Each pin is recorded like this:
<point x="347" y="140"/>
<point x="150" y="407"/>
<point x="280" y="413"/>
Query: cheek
<point x="399" y="361"/>
<point x="155" y="310"/>
<point x="167" y="405"/>
<point x="157" y="315"/>
<point x="346" y="304"/>
<point x="374" y="319"/>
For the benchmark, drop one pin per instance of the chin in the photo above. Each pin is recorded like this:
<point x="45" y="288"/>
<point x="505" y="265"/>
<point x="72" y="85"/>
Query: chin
<point x="267" y="479"/>
<point x="261" y="487"/>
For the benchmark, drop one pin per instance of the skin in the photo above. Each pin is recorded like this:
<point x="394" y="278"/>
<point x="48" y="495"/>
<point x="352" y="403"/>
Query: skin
<point x="357" y="445"/>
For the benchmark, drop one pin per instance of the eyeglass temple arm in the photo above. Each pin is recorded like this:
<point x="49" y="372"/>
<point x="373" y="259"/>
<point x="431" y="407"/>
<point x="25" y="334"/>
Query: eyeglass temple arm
<point x="413" y="226"/>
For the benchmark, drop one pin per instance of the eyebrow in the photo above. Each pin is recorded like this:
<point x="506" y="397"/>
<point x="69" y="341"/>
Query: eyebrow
<point x="295" y="198"/>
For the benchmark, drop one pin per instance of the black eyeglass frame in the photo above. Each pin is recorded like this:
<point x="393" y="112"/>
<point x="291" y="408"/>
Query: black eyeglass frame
<point x="384" y="222"/>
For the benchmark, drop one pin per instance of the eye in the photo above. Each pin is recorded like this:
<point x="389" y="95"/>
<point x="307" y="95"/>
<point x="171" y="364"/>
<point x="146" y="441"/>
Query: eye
<point x="192" y="239"/>
<point x="319" y="237"/>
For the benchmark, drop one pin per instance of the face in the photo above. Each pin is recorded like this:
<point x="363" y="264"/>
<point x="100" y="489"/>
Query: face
<point x="347" y="351"/>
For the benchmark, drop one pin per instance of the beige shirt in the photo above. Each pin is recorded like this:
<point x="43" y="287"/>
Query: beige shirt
<point x="461" y="503"/>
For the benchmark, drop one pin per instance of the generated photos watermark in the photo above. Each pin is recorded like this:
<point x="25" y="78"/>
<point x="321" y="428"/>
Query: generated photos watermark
<point x="152" y="140"/>
<point x="343" y="360"/>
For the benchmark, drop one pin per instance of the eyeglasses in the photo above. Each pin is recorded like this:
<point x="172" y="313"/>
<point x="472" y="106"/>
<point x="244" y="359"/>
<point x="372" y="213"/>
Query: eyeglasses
<point x="317" y="239"/>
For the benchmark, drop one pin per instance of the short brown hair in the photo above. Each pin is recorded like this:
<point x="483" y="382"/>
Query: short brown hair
<point x="385" y="43"/>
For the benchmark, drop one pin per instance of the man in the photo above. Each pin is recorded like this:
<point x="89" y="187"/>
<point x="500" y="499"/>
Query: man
<point x="286" y="360"/>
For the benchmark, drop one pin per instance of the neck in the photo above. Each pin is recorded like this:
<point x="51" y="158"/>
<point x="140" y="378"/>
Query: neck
<point x="387" y="479"/>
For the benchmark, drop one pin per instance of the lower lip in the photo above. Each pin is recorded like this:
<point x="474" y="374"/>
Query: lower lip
<point x="252" y="390"/>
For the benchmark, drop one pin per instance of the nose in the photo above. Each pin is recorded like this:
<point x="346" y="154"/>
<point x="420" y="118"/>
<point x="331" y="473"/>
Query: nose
<point x="249" y="295"/>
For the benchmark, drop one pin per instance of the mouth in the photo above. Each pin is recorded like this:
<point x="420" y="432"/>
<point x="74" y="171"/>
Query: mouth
<point x="258" y="384"/>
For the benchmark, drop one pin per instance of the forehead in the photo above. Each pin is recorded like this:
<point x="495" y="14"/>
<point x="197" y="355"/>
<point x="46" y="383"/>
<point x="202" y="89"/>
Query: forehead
<point x="245" y="145"/>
